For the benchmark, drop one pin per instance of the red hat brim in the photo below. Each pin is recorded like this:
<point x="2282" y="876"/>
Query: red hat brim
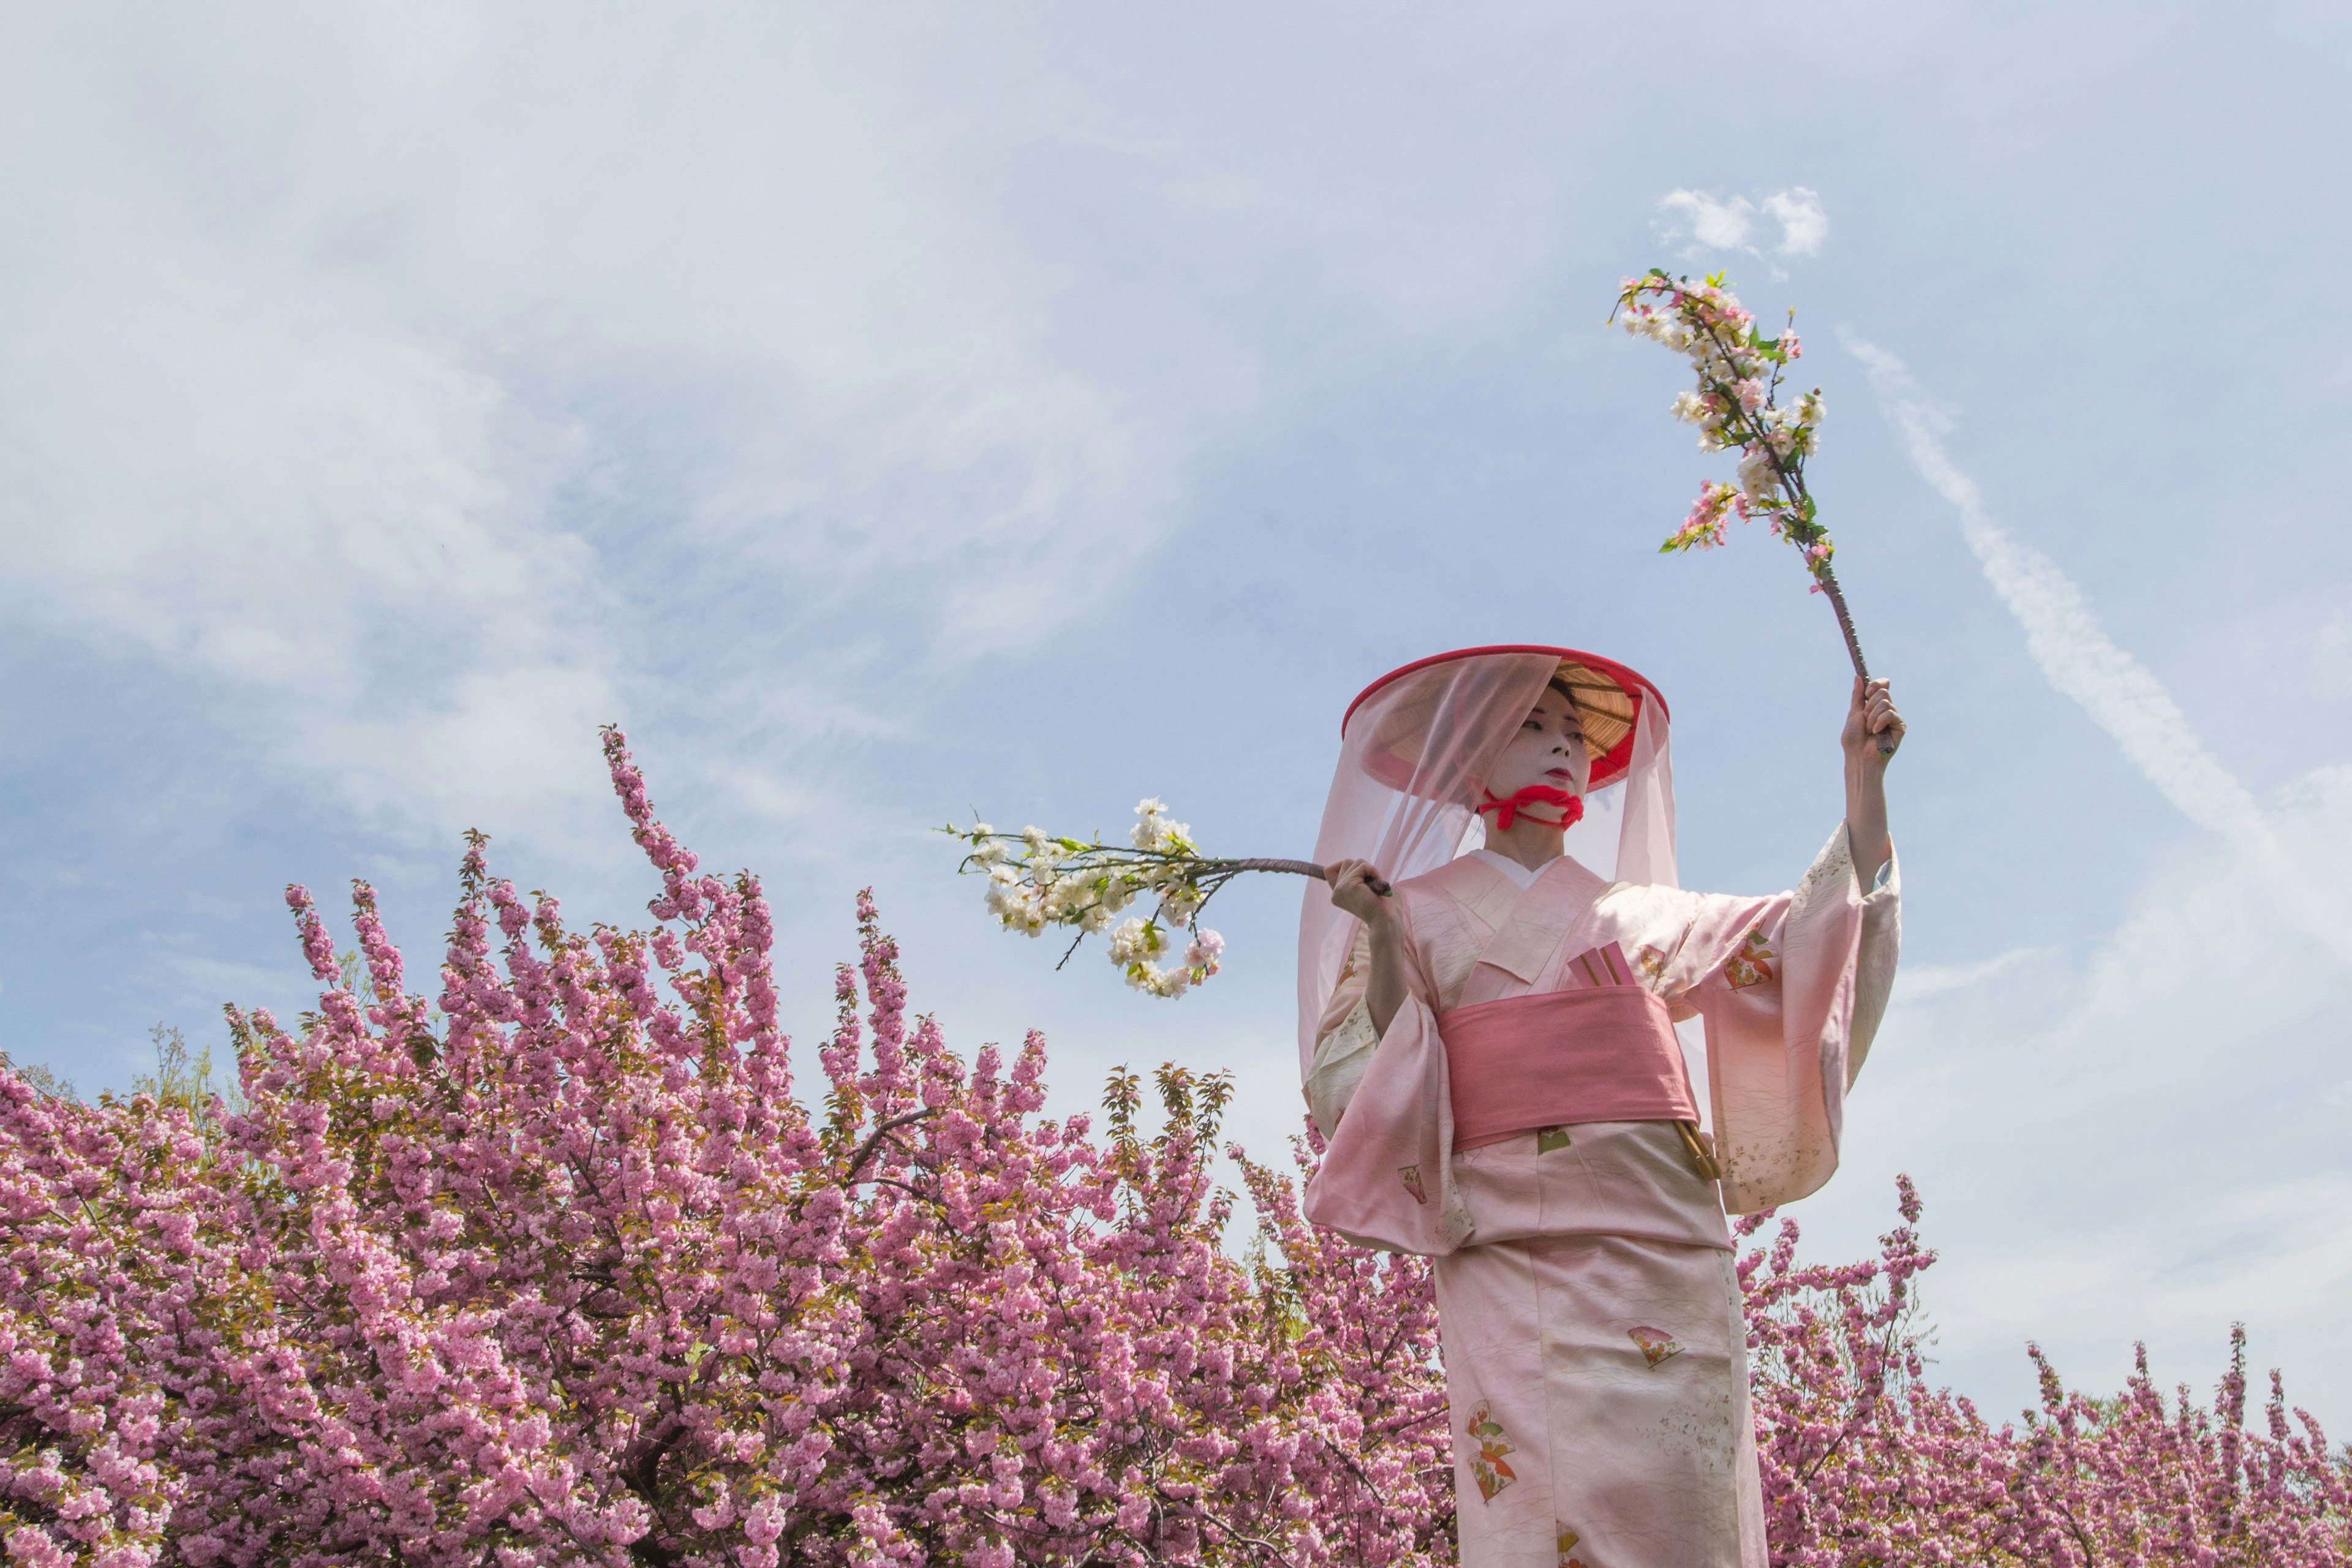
<point x="1609" y="699"/>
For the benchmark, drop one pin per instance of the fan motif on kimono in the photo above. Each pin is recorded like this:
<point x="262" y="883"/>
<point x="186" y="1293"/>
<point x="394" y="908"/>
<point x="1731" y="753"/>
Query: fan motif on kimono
<point x="1492" y="1472"/>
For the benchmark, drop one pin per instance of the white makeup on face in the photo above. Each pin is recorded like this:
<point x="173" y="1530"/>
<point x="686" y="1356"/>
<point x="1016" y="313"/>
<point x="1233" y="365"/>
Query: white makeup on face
<point x="1547" y="749"/>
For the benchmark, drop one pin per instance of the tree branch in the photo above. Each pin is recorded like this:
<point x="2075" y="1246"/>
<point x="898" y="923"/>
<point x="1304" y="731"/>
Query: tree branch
<point x="873" y="1140"/>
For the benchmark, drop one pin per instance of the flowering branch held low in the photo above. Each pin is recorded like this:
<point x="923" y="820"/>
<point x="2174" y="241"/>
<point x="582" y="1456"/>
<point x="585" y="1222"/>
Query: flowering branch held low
<point x="1036" y="879"/>
<point x="1736" y="404"/>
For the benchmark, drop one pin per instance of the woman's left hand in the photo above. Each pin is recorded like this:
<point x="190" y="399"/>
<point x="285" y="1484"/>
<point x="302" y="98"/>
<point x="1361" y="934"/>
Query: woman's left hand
<point x="1870" y="715"/>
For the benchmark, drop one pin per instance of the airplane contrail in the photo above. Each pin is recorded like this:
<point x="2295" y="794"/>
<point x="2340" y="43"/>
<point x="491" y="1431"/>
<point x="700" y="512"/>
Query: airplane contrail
<point x="2078" y="658"/>
<point x="2062" y="631"/>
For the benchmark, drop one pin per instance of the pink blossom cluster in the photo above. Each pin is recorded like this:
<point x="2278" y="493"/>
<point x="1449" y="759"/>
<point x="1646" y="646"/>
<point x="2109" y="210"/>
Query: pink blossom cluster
<point x="556" y="1267"/>
<point x="1736" y="404"/>
<point x="1865" y="1464"/>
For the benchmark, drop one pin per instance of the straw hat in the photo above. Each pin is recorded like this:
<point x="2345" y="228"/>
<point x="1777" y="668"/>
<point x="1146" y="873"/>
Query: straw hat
<point x="1608" y="696"/>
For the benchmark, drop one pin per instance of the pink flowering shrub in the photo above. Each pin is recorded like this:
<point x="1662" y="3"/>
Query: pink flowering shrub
<point x="1864" y="1464"/>
<point x="556" y="1267"/>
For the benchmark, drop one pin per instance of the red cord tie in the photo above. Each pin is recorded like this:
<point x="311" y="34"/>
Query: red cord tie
<point x="1507" y="811"/>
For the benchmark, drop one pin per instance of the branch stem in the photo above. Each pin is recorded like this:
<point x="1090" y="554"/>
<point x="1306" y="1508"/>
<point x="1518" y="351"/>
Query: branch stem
<point x="1828" y="580"/>
<point x="1300" y="868"/>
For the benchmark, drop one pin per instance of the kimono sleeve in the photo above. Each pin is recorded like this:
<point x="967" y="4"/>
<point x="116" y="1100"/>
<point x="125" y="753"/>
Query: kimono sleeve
<point x="1791" y="989"/>
<point x="1387" y="1176"/>
<point x="1344" y="1041"/>
<point x="1873" y="975"/>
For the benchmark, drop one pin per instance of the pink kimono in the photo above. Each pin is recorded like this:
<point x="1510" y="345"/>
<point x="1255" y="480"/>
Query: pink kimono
<point x="1595" y="1354"/>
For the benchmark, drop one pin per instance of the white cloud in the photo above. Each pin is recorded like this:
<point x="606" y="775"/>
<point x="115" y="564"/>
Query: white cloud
<point x="1921" y="981"/>
<point x="2270" y="1251"/>
<point x="1707" y="222"/>
<point x="397" y="403"/>
<point x="398" y="438"/>
<point x="251" y="483"/>
<point x="1803" y="223"/>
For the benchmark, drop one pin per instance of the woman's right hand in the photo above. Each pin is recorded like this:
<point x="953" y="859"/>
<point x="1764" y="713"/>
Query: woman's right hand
<point x="1352" y="889"/>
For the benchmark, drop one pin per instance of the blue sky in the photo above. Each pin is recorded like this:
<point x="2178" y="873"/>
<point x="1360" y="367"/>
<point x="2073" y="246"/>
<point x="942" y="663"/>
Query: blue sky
<point x="886" y="412"/>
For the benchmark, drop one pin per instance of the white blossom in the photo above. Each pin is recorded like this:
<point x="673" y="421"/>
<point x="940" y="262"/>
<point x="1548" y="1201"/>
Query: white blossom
<point x="1036" y="879"/>
<point x="1135" y="939"/>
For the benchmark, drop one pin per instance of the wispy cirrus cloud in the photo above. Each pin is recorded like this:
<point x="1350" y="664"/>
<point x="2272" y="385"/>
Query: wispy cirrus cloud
<point x="393" y="408"/>
<point x="399" y="453"/>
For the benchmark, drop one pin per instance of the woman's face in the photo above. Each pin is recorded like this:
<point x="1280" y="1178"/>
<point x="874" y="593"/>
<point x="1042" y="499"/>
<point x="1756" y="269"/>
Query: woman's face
<point x="1547" y="749"/>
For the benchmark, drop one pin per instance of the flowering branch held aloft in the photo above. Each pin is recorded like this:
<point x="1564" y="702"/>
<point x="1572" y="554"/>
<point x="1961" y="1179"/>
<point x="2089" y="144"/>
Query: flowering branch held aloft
<point x="1736" y="404"/>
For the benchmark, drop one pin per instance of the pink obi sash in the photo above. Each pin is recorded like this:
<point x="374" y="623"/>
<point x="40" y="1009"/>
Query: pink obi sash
<point x="1604" y="1053"/>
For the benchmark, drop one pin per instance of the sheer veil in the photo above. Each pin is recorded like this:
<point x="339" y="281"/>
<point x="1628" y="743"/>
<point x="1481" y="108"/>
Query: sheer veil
<point x="1413" y="750"/>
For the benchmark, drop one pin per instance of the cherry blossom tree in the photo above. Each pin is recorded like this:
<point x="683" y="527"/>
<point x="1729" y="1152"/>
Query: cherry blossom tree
<point x="558" y="1265"/>
<point x="559" y="1268"/>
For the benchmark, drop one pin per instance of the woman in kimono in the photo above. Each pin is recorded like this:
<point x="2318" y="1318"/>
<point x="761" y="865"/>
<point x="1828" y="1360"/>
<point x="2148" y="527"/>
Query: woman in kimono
<point x="1490" y="1055"/>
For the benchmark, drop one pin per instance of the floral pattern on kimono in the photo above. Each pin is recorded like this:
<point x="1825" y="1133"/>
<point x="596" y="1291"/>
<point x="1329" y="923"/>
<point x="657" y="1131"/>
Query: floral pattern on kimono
<point x="1493" y="1471"/>
<point x="1752" y="963"/>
